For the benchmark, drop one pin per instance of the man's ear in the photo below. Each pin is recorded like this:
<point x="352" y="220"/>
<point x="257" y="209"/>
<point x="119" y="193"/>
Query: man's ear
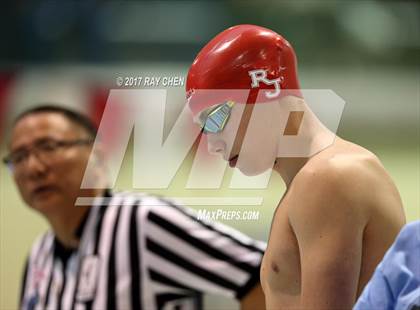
<point x="98" y="155"/>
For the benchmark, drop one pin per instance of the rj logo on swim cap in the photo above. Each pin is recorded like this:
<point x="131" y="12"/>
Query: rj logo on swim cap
<point x="260" y="75"/>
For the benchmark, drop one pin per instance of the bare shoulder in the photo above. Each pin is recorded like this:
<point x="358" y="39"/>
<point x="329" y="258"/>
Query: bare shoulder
<point x="345" y="181"/>
<point x="348" y="169"/>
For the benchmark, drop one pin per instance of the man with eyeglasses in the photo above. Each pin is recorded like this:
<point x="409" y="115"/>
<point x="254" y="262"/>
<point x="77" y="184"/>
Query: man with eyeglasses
<point x="127" y="250"/>
<point x="341" y="210"/>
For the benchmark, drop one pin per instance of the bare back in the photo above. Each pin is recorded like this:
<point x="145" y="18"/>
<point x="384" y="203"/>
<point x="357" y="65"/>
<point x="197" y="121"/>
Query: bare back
<point x="330" y="230"/>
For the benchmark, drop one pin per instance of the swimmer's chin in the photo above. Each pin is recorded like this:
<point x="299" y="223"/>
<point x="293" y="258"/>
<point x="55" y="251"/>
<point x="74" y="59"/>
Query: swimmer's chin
<point x="252" y="171"/>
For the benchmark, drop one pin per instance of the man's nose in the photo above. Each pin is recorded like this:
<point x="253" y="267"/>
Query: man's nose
<point x="34" y="167"/>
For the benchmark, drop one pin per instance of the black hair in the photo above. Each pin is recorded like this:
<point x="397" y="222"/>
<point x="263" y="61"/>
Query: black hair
<point x="75" y="117"/>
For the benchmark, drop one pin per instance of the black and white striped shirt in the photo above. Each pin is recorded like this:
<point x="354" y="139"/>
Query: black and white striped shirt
<point x="140" y="252"/>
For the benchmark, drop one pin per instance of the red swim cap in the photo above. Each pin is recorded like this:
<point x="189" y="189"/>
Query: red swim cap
<point x="242" y="57"/>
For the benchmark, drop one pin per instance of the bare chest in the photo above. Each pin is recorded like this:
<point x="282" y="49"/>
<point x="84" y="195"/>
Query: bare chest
<point x="280" y="268"/>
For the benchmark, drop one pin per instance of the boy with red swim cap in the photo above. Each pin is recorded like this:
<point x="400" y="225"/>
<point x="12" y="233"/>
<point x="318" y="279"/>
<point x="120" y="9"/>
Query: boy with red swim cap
<point x="341" y="210"/>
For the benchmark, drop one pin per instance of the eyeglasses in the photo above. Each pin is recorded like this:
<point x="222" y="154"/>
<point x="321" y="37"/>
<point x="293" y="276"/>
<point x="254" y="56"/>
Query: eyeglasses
<point x="215" y="119"/>
<point x="43" y="149"/>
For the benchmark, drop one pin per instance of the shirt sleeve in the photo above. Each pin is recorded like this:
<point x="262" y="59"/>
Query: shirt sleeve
<point x="396" y="281"/>
<point x="198" y="255"/>
<point x="376" y="295"/>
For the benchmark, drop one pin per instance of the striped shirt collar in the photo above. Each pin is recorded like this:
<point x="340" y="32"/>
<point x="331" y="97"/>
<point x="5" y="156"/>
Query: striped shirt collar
<point x="60" y="250"/>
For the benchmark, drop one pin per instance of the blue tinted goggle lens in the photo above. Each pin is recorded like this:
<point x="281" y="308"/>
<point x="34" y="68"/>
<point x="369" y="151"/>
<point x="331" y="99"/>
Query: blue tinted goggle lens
<point x="217" y="118"/>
